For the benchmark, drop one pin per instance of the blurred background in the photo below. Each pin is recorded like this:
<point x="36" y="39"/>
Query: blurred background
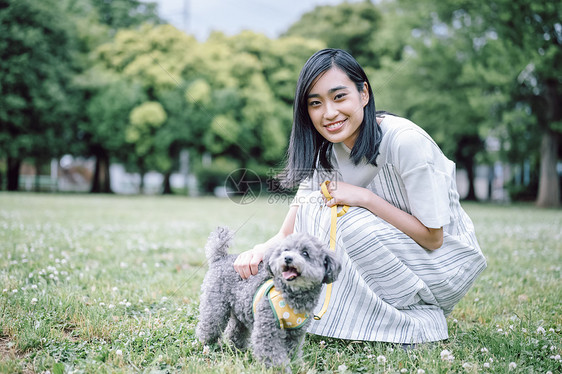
<point x="144" y="97"/>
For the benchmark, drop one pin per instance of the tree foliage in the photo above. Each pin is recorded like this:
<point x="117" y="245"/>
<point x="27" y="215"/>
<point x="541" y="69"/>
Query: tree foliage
<point x="106" y="79"/>
<point x="523" y="99"/>
<point x="36" y="69"/>
<point x="354" y="27"/>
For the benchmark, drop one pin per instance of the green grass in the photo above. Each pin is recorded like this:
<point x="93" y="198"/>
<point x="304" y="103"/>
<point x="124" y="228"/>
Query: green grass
<point x="111" y="284"/>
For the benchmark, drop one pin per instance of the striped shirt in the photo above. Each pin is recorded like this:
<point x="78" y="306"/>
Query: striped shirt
<point x="391" y="289"/>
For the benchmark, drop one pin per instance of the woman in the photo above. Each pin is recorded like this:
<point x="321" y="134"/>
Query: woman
<point x="408" y="249"/>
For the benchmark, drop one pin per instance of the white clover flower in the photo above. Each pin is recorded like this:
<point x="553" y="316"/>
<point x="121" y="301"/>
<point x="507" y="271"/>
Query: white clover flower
<point x="342" y="368"/>
<point x="551" y="330"/>
<point x="512" y="365"/>
<point x="484" y="350"/>
<point x="114" y="289"/>
<point x="119" y="352"/>
<point x="164" y="298"/>
<point x="421" y="371"/>
<point x="467" y="365"/>
<point x="447" y="356"/>
<point x="486" y="365"/>
<point x="34" y="301"/>
<point x="381" y="359"/>
<point x="548" y="372"/>
<point x="5" y="290"/>
<point x="15" y="290"/>
<point x="111" y="306"/>
<point x="403" y="370"/>
<point x="206" y="350"/>
<point x="34" y="286"/>
<point x="541" y="330"/>
<point x="102" y="304"/>
<point x="322" y="344"/>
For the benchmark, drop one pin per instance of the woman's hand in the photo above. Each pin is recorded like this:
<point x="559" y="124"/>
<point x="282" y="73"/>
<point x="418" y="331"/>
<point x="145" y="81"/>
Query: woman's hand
<point x="346" y="194"/>
<point x="247" y="263"/>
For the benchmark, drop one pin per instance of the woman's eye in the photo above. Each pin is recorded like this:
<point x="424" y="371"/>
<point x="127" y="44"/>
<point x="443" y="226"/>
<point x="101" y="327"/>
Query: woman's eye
<point x="339" y="96"/>
<point x="314" y="103"/>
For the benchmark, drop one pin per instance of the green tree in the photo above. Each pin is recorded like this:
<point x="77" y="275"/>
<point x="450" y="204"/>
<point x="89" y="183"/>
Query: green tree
<point x="354" y="27"/>
<point x="37" y="64"/>
<point x="97" y="22"/>
<point x="526" y="36"/>
<point x="224" y="97"/>
<point x="123" y="14"/>
<point x="434" y="86"/>
<point x="104" y="131"/>
<point x="163" y="60"/>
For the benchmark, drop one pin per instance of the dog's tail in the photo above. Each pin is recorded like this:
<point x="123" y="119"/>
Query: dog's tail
<point x="218" y="243"/>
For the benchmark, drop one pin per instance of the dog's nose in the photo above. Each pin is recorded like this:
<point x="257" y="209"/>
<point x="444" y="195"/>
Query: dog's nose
<point x="288" y="259"/>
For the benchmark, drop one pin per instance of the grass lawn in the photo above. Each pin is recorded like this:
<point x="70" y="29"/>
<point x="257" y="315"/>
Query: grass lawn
<point x="111" y="284"/>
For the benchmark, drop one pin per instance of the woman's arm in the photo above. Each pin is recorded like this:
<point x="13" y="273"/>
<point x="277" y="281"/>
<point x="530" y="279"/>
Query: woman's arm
<point x="347" y="194"/>
<point x="246" y="263"/>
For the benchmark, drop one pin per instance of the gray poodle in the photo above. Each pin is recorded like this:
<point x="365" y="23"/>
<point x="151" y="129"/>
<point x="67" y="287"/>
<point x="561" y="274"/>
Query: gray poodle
<point x="298" y="266"/>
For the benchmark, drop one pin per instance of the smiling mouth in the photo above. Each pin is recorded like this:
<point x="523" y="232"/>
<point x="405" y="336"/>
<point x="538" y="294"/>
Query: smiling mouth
<point x="290" y="273"/>
<point x="334" y="126"/>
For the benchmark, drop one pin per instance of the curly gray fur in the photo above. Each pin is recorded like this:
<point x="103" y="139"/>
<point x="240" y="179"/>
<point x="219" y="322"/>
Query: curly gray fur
<point x="226" y="299"/>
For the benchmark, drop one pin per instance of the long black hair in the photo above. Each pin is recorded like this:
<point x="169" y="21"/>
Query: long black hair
<point x="307" y="148"/>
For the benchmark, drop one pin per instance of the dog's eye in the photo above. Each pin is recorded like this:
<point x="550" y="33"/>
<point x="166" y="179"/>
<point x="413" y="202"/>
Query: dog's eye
<point x="305" y="254"/>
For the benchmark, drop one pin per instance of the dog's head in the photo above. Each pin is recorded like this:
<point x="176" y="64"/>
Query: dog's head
<point x="302" y="261"/>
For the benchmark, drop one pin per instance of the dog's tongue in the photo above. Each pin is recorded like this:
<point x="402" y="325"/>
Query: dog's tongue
<point x="290" y="274"/>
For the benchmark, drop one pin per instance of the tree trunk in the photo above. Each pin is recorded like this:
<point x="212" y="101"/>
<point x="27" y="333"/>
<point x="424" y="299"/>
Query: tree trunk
<point x="471" y="196"/>
<point x="101" y="182"/>
<point x="549" y="183"/>
<point x="38" y="165"/>
<point x="167" y="188"/>
<point x="13" y="173"/>
<point x="141" y="187"/>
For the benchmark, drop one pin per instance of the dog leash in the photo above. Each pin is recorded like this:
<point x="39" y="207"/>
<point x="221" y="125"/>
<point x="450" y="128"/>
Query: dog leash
<point x="334" y="216"/>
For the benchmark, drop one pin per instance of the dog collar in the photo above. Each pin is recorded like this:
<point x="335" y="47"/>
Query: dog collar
<point x="284" y="314"/>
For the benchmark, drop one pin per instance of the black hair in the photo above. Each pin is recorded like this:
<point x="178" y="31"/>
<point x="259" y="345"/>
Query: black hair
<point x="307" y="148"/>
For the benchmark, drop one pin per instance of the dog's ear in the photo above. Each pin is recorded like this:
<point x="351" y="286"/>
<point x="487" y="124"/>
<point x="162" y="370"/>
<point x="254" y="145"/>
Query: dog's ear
<point x="332" y="267"/>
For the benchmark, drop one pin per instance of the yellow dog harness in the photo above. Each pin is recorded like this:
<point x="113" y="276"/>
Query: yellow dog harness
<point x="284" y="314"/>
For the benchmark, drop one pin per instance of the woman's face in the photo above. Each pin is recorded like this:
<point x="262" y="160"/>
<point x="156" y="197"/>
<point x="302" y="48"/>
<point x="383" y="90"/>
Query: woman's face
<point x="335" y="106"/>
